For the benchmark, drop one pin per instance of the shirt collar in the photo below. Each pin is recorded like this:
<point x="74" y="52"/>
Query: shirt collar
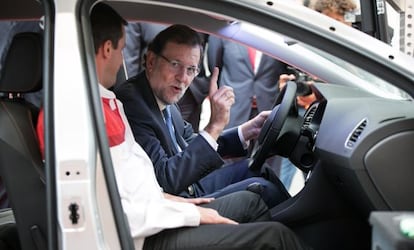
<point x="106" y="93"/>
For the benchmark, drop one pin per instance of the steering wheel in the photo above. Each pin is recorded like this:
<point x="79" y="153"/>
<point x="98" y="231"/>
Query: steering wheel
<point x="270" y="131"/>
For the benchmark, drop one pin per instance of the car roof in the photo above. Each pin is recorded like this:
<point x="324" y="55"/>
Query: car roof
<point x="21" y="10"/>
<point x="223" y="18"/>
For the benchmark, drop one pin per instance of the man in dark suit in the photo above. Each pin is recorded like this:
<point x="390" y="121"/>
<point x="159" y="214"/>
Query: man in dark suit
<point x="188" y="164"/>
<point x="138" y="37"/>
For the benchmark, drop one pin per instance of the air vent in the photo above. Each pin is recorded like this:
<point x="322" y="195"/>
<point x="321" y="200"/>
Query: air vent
<point x="353" y="138"/>
<point x="309" y="116"/>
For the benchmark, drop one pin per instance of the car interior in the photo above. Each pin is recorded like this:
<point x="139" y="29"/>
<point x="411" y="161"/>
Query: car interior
<point x="21" y="165"/>
<point x="345" y="142"/>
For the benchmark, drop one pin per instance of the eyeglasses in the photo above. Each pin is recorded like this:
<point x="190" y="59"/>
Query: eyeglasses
<point x="177" y="67"/>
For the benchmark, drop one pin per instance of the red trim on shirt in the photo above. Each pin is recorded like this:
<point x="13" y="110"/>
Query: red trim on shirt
<point x="40" y="132"/>
<point x="115" y="127"/>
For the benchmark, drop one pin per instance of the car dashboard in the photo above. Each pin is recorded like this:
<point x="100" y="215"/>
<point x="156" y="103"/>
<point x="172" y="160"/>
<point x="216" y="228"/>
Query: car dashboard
<point x="364" y="145"/>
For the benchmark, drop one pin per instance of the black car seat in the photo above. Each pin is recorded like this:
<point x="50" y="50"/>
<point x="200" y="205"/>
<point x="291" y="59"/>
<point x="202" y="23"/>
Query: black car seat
<point x="21" y="165"/>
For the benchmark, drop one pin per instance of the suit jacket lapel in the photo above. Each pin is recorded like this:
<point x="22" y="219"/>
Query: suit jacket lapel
<point x="178" y="126"/>
<point x="150" y="99"/>
<point x="265" y="58"/>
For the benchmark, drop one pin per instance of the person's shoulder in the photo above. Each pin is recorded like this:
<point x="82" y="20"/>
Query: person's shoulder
<point x="127" y="85"/>
<point x="120" y="87"/>
<point x="133" y="91"/>
<point x="124" y="91"/>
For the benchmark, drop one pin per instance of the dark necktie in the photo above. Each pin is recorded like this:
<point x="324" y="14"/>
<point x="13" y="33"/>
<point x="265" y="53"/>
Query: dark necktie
<point x="168" y="121"/>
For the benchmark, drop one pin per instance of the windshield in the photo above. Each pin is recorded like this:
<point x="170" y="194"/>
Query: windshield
<point x="370" y="82"/>
<point x="317" y="63"/>
<point x="328" y="68"/>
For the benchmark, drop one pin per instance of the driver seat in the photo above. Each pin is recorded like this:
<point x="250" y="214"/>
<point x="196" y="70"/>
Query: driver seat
<point x="21" y="165"/>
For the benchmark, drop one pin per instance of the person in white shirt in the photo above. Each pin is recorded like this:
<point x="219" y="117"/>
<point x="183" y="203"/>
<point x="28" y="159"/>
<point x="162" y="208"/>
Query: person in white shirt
<point x="158" y="220"/>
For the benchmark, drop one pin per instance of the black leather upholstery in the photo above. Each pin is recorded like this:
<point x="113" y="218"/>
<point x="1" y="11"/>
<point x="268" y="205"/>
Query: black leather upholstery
<point x="9" y="239"/>
<point x="21" y="165"/>
<point x="22" y="69"/>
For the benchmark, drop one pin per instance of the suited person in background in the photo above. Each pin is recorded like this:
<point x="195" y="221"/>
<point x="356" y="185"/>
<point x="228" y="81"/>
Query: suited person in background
<point x="186" y="163"/>
<point x="255" y="86"/>
<point x="254" y="78"/>
<point x="138" y="37"/>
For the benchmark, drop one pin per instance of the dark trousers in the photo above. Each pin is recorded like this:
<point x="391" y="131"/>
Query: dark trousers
<point x="237" y="176"/>
<point x="254" y="232"/>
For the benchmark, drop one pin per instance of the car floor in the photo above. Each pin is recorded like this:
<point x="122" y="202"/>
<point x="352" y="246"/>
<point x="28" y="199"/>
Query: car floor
<point x="298" y="182"/>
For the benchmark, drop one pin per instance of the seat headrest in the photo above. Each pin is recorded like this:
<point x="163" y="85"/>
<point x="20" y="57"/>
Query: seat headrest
<point x="22" y="69"/>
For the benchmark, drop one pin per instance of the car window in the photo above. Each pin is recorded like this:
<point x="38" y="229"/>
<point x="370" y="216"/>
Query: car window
<point x="301" y="39"/>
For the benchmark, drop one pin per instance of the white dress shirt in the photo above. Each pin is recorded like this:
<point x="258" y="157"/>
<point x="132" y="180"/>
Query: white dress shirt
<point x="147" y="210"/>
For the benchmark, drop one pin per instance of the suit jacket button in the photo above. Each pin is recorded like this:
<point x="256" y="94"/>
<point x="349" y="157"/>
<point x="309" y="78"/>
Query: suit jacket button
<point x="191" y="190"/>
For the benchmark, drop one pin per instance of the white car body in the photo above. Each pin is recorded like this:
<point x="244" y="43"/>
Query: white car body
<point x="76" y="144"/>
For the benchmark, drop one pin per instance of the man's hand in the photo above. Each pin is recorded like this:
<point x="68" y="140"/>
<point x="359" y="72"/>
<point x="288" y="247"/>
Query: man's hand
<point x="211" y="216"/>
<point x="207" y="215"/>
<point x="251" y="129"/>
<point x="221" y="101"/>
<point x="303" y="101"/>
<point x="306" y="101"/>
<point x="283" y="78"/>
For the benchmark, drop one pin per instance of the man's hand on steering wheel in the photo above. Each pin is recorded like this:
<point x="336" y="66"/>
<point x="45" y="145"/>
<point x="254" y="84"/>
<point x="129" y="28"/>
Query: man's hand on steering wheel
<point x="284" y="107"/>
<point x="251" y="128"/>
